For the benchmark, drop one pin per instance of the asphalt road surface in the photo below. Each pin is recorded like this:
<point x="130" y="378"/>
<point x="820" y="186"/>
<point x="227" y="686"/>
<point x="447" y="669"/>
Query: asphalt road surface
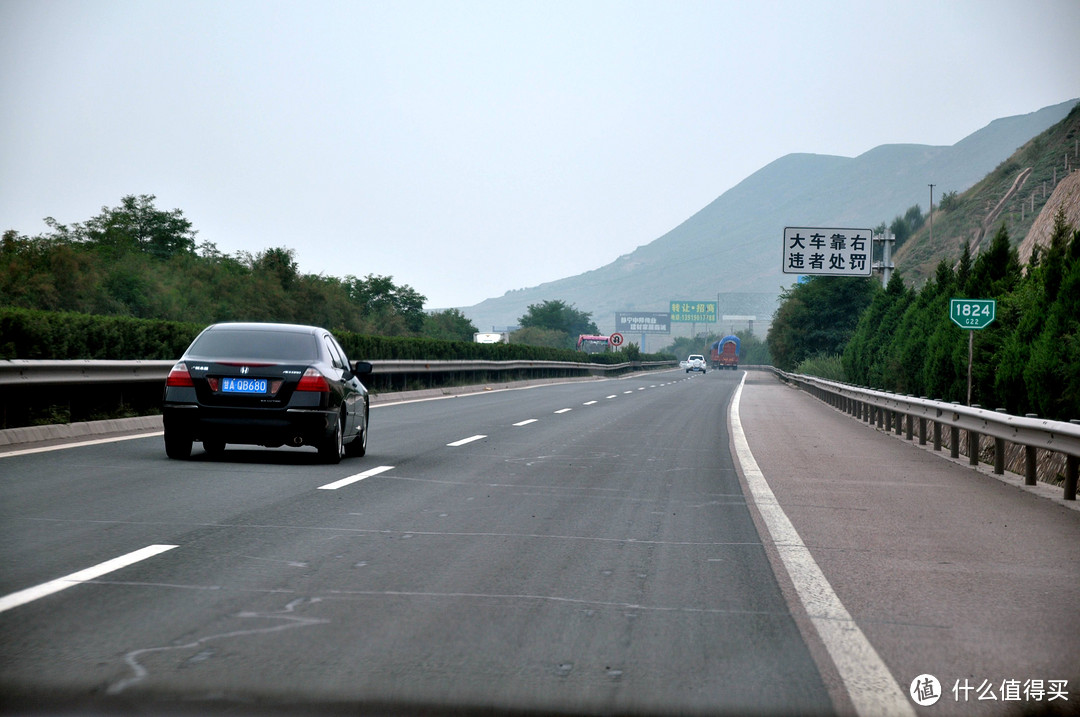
<point x="578" y="547"/>
<point x="586" y="547"/>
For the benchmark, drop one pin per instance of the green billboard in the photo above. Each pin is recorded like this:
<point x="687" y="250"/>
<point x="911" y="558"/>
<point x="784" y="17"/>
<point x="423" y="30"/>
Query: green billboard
<point x="693" y="312"/>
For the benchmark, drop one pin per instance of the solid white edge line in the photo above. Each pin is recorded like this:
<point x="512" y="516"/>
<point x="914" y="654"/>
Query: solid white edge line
<point x="355" y="478"/>
<point x="463" y="441"/>
<point x="870" y="685"/>
<point x="80" y="444"/>
<point x="54" y="586"/>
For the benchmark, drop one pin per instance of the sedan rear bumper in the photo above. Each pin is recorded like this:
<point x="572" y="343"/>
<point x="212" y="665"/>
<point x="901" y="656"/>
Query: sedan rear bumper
<point x="260" y="427"/>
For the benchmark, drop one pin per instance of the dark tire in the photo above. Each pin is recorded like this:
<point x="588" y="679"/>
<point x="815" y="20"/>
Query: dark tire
<point x="177" y="445"/>
<point x="213" y="447"/>
<point x="332" y="448"/>
<point x="357" y="447"/>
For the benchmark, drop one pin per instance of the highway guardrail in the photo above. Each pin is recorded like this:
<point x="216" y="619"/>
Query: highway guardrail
<point x="25" y="372"/>
<point x="46" y="392"/>
<point x="925" y="416"/>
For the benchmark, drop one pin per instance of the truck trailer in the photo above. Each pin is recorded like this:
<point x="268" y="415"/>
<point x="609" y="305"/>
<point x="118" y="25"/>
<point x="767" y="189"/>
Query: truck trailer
<point x="725" y="353"/>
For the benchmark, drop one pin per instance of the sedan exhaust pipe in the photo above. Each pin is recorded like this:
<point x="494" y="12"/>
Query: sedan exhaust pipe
<point x="297" y="441"/>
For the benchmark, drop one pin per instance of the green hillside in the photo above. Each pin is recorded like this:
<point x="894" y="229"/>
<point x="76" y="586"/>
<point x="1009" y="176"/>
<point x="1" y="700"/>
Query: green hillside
<point x="1012" y="195"/>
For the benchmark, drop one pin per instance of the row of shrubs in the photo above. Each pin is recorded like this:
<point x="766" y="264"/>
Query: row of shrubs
<point x="29" y="334"/>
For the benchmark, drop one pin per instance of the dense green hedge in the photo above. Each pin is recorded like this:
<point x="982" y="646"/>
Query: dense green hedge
<point x="28" y="334"/>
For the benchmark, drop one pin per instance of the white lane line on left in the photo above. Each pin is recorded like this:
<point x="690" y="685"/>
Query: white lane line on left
<point x="54" y="586"/>
<point x="80" y="444"/>
<point x="463" y="441"/>
<point x="355" y="478"/>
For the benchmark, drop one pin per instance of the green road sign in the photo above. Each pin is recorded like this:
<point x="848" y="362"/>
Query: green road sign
<point x="972" y="313"/>
<point x="693" y="312"/>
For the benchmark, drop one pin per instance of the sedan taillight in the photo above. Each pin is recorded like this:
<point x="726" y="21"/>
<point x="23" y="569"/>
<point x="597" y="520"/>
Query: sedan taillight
<point x="179" y="376"/>
<point x="312" y="380"/>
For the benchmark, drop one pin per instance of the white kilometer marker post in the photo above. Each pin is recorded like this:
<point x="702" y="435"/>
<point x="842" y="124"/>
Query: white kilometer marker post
<point x="54" y="586"/>
<point x="463" y="441"/>
<point x="355" y="479"/>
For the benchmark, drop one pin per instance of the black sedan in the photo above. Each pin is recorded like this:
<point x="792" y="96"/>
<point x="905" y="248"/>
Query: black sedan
<point x="267" y="385"/>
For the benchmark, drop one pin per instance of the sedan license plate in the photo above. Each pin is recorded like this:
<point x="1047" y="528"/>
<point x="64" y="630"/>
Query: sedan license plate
<point x="243" y="385"/>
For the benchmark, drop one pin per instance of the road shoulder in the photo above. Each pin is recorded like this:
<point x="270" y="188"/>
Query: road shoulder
<point x="947" y="571"/>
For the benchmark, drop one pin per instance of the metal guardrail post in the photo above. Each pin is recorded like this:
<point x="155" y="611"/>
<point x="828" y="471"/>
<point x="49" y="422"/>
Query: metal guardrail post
<point x="973" y="443"/>
<point x="1072" y="468"/>
<point x="1031" y="465"/>
<point x="1072" y="463"/>
<point x="999" y="450"/>
<point x="922" y="430"/>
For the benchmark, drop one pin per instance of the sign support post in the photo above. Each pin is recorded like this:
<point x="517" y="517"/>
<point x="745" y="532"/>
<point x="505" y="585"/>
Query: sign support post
<point x="971" y="360"/>
<point x="972" y="315"/>
<point x="886" y="258"/>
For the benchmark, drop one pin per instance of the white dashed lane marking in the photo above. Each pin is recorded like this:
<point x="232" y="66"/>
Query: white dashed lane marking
<point x="463" y="441"/>
<point x="54" y="586"/>
<point x="355" y="478"/>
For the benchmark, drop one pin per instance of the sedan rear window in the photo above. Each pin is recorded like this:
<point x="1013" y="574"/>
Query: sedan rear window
<point x="266" y="345"/>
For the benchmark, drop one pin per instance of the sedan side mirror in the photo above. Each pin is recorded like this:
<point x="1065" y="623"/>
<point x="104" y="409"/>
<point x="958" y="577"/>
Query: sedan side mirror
<point x="363" y="371"/>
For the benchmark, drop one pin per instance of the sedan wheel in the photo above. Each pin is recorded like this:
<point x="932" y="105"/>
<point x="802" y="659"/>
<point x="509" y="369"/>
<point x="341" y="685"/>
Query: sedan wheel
<point x="332" y="448"/>
<point x="178" y="445"/>
<point x="357" y="447"/>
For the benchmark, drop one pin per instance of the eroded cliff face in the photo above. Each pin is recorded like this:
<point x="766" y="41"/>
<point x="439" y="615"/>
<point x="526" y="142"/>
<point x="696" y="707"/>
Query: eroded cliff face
<point x="1065" y="196"/>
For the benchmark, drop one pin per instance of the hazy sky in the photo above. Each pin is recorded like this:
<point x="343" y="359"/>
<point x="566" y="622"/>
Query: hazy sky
<point x="468" y="148"/>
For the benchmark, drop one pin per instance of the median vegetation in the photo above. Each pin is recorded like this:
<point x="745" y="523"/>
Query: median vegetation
<point x="28" y="334"/>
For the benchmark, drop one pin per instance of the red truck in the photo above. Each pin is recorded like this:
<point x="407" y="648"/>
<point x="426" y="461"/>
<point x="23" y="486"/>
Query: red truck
<point x="725" y="353"/>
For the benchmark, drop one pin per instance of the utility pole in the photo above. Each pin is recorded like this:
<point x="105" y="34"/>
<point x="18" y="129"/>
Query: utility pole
<point x="931" y="215"/>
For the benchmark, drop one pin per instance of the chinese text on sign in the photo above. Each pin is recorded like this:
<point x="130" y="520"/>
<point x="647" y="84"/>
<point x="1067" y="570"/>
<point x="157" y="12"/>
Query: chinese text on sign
<point x="832" y="252"/>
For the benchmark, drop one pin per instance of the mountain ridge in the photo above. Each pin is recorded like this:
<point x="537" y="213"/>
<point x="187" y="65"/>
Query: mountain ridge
<point x="730" y="249"/>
